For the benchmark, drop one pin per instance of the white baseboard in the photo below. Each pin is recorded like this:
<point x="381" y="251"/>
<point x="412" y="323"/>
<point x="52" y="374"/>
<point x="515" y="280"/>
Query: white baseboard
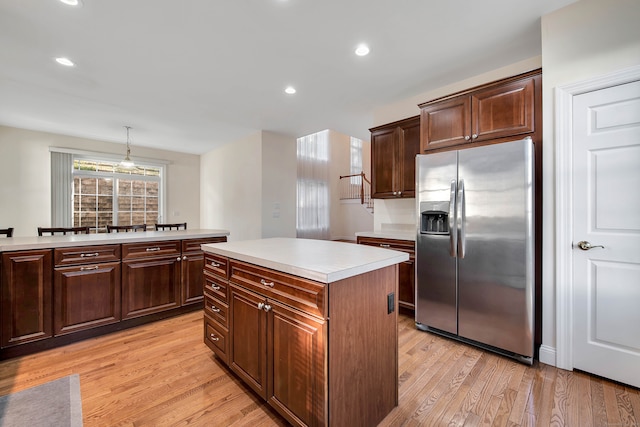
<point x="547" y="355"/>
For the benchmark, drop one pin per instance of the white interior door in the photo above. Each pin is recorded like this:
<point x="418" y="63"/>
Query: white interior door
<point x="606" y="212"/>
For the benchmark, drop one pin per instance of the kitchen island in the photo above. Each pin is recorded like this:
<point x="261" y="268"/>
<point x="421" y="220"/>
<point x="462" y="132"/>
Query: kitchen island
<point x="60" y="289"/>
<point x="309" y="325"/>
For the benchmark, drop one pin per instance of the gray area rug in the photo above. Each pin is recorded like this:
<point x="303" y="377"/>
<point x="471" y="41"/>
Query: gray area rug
<point x="54" y="404"/>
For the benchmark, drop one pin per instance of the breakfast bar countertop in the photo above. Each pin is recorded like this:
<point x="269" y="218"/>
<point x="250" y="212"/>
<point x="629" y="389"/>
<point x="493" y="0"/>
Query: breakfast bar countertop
<point x="320" y="260"/>
<point x="48" y="242"/>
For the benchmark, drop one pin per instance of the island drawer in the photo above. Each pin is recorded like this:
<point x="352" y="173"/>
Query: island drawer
<point x="150" y="249"/>
<point x="215" y="286"/>
<point x="303" y="294"/>
<point x="215" y="336"/>
<point x="216" y="309"/>
<point x="216" y="264"/>
<point x="78" y="255"/>
<point x="193" y="245"/>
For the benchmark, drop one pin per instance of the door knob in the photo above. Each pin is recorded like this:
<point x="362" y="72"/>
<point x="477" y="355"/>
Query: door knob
<point x="585" y="246"/>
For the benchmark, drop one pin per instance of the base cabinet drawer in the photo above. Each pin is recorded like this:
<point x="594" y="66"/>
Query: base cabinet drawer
<point x="216" y="310"/>
<point x="215" y="337"/>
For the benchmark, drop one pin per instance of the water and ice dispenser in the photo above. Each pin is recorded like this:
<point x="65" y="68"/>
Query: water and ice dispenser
<point x="434" y="218"/>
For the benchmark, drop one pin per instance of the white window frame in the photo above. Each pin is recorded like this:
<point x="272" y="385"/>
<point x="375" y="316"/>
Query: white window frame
<point x="98" y="156"/>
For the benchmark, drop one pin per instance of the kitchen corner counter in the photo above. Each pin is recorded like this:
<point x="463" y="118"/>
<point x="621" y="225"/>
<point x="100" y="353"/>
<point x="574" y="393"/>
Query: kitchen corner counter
<point x="320" y="260"/>
<point x="389" y="234"/>
<point x="49" y="242"/>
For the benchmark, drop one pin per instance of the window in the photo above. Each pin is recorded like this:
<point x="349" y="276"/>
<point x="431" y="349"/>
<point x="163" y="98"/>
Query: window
<point x="106" y="193"/>
<point x="312" y="219"/>
<point x="356" y="160"/>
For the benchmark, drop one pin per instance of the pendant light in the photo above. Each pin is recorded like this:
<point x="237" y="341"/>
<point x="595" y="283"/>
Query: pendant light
<point x="127" y="162"/>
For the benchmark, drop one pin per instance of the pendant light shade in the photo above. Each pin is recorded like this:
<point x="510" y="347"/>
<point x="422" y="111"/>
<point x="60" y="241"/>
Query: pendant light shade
<point x="127" y="162"/>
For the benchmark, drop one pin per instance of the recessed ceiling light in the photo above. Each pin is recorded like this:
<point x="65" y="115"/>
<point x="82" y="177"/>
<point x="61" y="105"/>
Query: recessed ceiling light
<point x="362" y="50"/>
<point x="71" y="2"/>
<point x="65" y="61"/>
<point x="290" y="90"/>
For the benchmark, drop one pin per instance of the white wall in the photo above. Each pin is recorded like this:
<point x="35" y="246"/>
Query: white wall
<point x="278" y="185"/>
<point x="25" y="178"/>
<point x="346" y="219"/>
<point x="231" y="188"/>
<point x="583" y="40"/>
<point x="243" y="181"/>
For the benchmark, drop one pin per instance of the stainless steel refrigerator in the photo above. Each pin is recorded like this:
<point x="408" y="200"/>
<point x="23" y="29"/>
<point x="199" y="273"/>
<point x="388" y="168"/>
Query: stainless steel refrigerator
<point x="475" y="246"/>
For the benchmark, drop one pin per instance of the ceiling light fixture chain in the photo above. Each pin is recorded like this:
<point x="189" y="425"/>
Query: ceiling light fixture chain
<point x="127" y="162"/>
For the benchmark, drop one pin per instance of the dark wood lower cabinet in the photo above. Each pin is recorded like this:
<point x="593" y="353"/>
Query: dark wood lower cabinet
<point x="406" y="269"/>
<point x="150" y="285"/>
<point x="86" y="296"/>
<point x="56" y="296"/>
<point x="319" y="354"/>
<point x="26" y="296"/>
<point x="295" y="362"/>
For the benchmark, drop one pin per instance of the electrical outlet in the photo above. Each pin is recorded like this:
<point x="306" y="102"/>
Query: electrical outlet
<point x="391" y="303"/>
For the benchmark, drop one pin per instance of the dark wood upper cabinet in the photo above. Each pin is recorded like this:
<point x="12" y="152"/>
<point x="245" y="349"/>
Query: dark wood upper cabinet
<point x="393" y="150"/>
<point x="494" y="112"/>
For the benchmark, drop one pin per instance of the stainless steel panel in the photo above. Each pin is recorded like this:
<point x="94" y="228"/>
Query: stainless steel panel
<point x="436" y="296"/>
<point x="495" y="277"/>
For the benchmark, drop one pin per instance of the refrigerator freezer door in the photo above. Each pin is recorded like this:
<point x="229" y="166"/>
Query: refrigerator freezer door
<point x="495" y="277"/>
<point x="436" y="296"/>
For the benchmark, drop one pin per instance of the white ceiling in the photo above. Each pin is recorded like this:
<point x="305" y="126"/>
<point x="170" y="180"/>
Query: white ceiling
<point x="190" y="75"/>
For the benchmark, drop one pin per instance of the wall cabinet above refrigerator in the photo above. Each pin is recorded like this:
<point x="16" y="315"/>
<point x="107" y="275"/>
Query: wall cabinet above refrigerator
<point x="493" y="112"/>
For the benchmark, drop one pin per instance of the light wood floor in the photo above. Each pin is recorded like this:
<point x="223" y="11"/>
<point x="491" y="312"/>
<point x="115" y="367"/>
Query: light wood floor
<point x="163" y="375"/>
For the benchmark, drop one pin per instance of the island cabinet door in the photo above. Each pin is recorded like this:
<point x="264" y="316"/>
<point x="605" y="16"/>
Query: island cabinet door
<point x="248" y="330"/>
<point x="296" y="365"/>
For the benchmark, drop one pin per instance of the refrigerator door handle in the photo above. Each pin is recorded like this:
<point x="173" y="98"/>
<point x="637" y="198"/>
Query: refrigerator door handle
<point x="453" y="231"/>
<point x="461" y="217"/>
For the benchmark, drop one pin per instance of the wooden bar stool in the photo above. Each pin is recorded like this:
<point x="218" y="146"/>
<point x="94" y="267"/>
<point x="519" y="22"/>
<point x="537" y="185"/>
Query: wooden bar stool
<point x="163" y="227"/>
<point x="126" y="228"/>
<point x="51" y="231"/>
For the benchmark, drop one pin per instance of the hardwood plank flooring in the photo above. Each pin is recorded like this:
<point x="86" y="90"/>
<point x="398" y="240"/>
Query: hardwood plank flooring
<point x="162" y="374"/>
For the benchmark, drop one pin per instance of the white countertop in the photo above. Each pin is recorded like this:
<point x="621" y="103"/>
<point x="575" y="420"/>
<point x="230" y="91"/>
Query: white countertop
<point x="320" y="260"/>
<point x="391" y="234"/>
<point x="47" y="242"/>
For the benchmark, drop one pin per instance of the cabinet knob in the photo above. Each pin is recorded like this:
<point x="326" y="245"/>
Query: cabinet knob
<point x="399" y="193"/>
<point x="156" y="249"/>
<point x="215" y="288"/>
<point x="214" y="264"/>
<point x="184" y="257"/>
<point x="214" y="337"/>
<point x="474" y="136"/>
<point x="264" y="282"/>
<point x="260" y="305"/>
<point x="267" y="307"/>
<point x="215" y="309"/>
<point x="178" y="259"/>
<point x="93" y="267"/>
<point x="467" y="137"/>
<point x="384" y="245"/>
